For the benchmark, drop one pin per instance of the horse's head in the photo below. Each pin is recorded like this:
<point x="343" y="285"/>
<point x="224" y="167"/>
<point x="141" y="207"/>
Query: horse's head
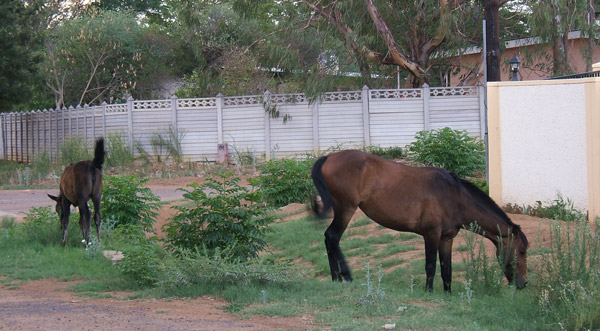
<point x="516" y="257"/>
<point x="59" y="206"/>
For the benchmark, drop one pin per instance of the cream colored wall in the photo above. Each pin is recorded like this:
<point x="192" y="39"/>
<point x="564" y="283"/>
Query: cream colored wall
<point x="544" y="139"/>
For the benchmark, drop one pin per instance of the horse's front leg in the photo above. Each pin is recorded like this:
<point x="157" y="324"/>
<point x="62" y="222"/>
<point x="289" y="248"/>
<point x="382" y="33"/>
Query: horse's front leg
<point x="64" y="222"/>
<point x="431" y="250"/>
<point x="445" y="249"/>
<point x="333" y="234"/>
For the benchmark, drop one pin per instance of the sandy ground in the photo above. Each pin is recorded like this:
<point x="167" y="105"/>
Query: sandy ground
<point x="46" y="304"/>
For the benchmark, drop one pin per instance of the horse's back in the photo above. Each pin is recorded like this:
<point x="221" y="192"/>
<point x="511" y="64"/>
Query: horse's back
<point x="394" y="195"/>
<point x="80" y="181"/>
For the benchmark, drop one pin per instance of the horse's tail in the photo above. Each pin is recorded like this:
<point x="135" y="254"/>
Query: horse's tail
<point x="322" y="188"/>
<point x="99" y="154"/>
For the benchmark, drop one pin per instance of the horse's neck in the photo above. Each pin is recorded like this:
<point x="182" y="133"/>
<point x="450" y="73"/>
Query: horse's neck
<point x="485" y="222"/>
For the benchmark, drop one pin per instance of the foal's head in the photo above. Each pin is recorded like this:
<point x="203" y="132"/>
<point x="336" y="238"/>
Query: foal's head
<point x="516" y="257"/>
<point x="60" y="208"/>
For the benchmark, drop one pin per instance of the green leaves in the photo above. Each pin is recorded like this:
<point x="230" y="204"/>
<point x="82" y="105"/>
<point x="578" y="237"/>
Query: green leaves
<point x="125" y="201"/>
<point x="220" y="215"/>
<point x="285" y="181"/>
<point x="453" y="150"/>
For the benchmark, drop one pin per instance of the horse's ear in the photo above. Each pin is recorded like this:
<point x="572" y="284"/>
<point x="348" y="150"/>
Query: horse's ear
<point x="53" y="197"/>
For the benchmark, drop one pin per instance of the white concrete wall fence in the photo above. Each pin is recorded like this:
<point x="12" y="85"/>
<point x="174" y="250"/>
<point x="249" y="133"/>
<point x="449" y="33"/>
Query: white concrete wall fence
<point x="341" y="119"/>
<point x="541" y="142"/>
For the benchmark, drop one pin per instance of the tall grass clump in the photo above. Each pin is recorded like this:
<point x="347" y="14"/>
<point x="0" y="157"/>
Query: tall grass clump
<point x="125" y="200"/>
<point x="72" y="150"/>
<point x="560" y="209"/>
<point x="570" y="277"/>
<point x="453" y="150"/>
<point x="119" y="153"/>
<point x="285" y="181"/>
<point x="220" y="215"/>
<point x="165" y="146"/>
<point x="483" y="274"/>
<point x="41" y="164"/>
<point x="41" y="227"/>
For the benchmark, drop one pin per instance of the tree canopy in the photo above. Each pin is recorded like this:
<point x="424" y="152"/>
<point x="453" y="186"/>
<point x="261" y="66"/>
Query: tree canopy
<point x="58" y="53"/>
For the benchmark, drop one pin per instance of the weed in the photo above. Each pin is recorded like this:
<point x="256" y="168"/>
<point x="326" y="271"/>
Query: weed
<point x="73" y="149"/>
<point x="375" y="292"/>
<point x="119" y="154"/>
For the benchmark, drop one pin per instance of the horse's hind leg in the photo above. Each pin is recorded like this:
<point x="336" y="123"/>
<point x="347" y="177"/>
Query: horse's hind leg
<point x="445" y="249"/>
<point x="97" y="219"/>
<point x="333" y="234"/>
<point x="84" y="221"/>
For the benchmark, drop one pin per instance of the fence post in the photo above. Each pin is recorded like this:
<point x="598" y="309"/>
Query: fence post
<point x="366" y="119"/>
<point x="13" y="140"/>
<point x="85" y="122"/>
<point x="3" y="128"/>
<point x="220" y="102"/>
<point x="482" y="112"/>
<point x="174" y="115"/>
<point x="103" y="118"/>
<point x="130" y="121"/>
<point x="426" y="90"/>
<point x="267" y="104"/>
<point x="94" y="123"/>
<point x="45" y="111"/>
<point x="315" y="120"/>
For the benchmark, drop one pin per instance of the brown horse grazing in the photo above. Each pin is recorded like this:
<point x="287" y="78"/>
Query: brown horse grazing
<point x="79" y="183"/>
<point x="428" y="201"/>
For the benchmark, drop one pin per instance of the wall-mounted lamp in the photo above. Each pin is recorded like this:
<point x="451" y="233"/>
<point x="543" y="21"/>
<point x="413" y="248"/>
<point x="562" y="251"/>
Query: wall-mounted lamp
<point x="515" y="63"/>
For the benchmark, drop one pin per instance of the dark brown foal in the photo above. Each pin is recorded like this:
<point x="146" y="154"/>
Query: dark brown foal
<point x="79" y="183"/>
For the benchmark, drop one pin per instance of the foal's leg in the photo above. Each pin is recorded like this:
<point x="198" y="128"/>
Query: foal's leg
<point x="64" y="222"/>
<point x="84" y="221"/>
<point x="431" y="250"/>
<point x="446" y="262"/>
<point x="333" y="234"/>
<point x="97" y="220"/>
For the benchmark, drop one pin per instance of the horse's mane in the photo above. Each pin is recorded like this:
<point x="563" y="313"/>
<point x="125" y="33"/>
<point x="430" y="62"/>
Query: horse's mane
<point x="487" y="202"/>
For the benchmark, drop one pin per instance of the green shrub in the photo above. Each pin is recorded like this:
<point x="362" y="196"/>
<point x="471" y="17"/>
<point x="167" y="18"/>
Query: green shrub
<point x="125" y="201"/>
<point x="285" y="181"/>
<point x="453" y="150"/>
<point x="119" y="154"/>
<point x="72" y="150"/>
<point x="219" y="216"/>
<point x="390" y="153"/>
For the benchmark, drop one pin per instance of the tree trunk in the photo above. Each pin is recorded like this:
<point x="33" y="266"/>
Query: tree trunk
<point x="492" y="32"/>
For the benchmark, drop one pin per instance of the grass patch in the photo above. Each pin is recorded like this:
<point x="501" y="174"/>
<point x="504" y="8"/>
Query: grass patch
<point x="291" y="278"/>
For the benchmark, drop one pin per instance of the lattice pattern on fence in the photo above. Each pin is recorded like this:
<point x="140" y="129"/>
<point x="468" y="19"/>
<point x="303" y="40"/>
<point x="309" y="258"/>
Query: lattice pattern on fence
<point x="396" y="94"/>
<point x="196" y="103"/>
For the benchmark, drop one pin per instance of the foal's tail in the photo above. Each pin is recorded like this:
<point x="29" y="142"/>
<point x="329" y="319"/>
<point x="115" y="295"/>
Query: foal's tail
<point x="322" y="188"/>
<point x="99" y="154"/>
